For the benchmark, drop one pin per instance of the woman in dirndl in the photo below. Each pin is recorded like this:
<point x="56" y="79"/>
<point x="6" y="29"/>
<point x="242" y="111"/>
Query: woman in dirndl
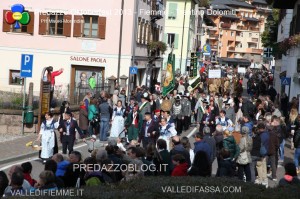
<point x="118" y="121"/>
<point x="48" y="138"/>
<point x="166" y="132"/>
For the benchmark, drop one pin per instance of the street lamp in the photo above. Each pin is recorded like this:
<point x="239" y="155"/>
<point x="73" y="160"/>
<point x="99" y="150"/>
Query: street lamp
<point x="219" y="40"/>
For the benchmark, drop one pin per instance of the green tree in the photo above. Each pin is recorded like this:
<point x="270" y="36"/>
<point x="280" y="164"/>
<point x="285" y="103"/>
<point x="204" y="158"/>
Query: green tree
<point x="204" y="3"/>
<point x="269" y="36"/>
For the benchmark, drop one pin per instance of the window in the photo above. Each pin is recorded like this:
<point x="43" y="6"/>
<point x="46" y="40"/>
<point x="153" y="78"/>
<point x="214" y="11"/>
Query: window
<point x="172" y="11"/>
<point x="172" y="38"/>
<point x="56" y="24"/>
<point x="246" y="14"/>
<point x="27" y="28"/>
<point x="90" y="26"/>
<point x="139" y="31"/>
<point x="15" y="78"/>
<point x="142" y="33"/>
<point x="232" y="34"/>
<point x="241" y="35"/>
<point x="250" y="34"/>
<point x="146" y="32"/>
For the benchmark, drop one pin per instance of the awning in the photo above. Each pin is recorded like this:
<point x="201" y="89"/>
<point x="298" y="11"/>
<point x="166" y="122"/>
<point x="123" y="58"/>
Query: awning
<point x="234" y="61"/>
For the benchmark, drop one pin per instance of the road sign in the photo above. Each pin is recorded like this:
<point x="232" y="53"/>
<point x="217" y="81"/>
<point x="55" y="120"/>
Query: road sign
<point x="26" y="65"/>
<point x="268" y="52"/>
<point x="133" y="70"/>
<point x="285" y="81"/>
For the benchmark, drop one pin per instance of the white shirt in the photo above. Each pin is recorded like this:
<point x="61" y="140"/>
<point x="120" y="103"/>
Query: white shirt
<point x="147" y="126"/>
<point x="134" y="117"/>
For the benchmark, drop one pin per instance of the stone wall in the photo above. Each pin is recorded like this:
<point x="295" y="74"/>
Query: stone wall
<point x="11" y="121"/>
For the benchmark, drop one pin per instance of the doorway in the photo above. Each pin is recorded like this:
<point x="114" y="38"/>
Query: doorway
<point x="79" y="84"/>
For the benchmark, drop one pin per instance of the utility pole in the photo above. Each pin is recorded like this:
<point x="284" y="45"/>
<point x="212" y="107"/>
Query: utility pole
<point x="120" y="41"/>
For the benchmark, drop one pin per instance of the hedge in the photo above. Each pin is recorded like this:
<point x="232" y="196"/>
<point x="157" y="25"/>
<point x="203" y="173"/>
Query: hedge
<point x="152" y="187"/>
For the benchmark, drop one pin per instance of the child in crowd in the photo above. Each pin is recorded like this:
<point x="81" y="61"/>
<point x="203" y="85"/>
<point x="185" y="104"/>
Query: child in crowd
<point x="27" y="168"/>
<point x="181" y="166"/>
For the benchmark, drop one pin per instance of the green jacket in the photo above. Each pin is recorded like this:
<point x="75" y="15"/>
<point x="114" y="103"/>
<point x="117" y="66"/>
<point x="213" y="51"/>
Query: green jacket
<point x="92" y="112"/>
<point x="92" y="82"/>
<point x="129" y="119"/>
<point x="230" y="145"/>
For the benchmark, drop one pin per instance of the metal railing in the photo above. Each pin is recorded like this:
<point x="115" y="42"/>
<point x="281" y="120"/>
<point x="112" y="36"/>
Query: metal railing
<point x="80" y="92"/>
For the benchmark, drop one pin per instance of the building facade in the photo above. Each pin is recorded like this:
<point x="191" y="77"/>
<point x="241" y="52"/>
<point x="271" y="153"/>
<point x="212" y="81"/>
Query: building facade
<point x="81" y="38"/>
<point x="237" y="31"/>
<point x="289" y="65"/>
<point x="180" y="31"/>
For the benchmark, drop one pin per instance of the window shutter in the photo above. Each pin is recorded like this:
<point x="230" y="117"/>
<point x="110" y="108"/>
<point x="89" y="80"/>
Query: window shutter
<point x="77" y="29"/>
<point x="67" y="25"/>
<point x="101" y="27"/>
<point x="176" y="41"/>
<point x="6" y="26"/>
<point x="172" y="10"/>
<point x="43" y="23"/>
<point x="30" y="26"/>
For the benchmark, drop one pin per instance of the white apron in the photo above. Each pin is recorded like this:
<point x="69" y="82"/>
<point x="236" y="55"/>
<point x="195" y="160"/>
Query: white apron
<point x="117" y="125"/>
<point x="48" y="138"/>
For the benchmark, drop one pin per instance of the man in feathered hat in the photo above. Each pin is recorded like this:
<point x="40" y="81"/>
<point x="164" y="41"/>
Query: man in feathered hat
<point x="145" y="105"/>
<point x="134" y="123"/>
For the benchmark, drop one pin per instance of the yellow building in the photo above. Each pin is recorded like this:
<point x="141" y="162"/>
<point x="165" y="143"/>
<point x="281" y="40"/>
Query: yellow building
<point x="180" y="30"/>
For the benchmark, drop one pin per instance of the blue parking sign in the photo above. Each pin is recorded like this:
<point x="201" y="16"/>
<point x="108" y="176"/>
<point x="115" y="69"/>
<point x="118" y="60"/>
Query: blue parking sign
<point x="26" y="65"/>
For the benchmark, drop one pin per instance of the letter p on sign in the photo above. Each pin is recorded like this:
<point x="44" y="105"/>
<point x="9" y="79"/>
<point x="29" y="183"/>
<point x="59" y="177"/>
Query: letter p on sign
<point x="26" y="65"/>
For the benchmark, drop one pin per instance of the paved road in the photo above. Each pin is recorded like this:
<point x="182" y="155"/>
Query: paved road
<point x="38" y="166"/>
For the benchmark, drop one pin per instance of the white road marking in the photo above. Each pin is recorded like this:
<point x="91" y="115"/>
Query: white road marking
<point x="32" y="159"/>
<point x="192" y="132"/>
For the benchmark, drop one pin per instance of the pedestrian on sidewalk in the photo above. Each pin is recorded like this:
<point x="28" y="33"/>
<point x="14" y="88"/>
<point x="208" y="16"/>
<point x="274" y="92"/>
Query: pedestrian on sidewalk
<point x="47" y="137"/>
<point x="83" y="119"/>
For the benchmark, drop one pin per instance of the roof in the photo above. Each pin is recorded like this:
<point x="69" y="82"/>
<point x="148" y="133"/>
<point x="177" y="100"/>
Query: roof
<point x="264" y="2"/>
<point x="251" y="19"/>
<point x="235" y="3"/>
<point x="230" y="16"/>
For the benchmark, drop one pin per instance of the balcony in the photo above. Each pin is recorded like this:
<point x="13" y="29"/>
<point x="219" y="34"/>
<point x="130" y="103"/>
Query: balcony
<point x="242" y="28"/>
<point x="253" y="29"/>
<point x="230" y="48"/>
<point x="225" y="25"/>
<point x="258" y="51"/>
<point x="214" y="46"/>
<point x="157" y="10"/>
<point x="254" y="39"/>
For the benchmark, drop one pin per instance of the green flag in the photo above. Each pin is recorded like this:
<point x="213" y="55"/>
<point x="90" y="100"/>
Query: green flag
<point x="169" y="81"/>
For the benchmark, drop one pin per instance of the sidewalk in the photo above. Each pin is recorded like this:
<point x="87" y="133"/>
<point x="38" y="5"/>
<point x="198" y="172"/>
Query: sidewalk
<point x="16" y="149"/>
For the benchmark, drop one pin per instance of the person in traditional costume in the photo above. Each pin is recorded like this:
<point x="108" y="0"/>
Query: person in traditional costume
<point x="118" y="121"/>
<point x="47" y="137"/>
<point x="134" y="123"/>
<point x="145" y="105"/>
<point x="166" y="131"/>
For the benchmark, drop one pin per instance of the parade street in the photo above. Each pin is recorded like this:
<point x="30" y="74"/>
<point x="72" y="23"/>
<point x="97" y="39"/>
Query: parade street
<point x="82" y="147"/>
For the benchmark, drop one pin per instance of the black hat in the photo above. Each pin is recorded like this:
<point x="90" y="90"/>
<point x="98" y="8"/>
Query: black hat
<point x="146" y="96"/>
<point x="68" y="112"/>
<point x="205" y="101"/>
<point x="178" y="97"/>
<point x="147" y="113"/>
